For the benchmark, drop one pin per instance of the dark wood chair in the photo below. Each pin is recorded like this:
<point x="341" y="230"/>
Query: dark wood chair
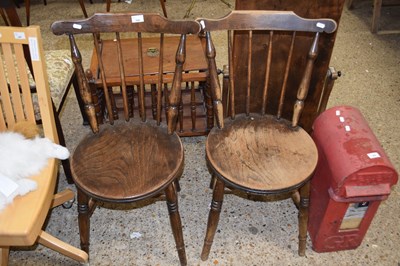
<point x="136" y="158"/>
<point x="260" y="153"/>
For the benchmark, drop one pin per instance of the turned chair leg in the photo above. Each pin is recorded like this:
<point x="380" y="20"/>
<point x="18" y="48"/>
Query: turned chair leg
<point x="84" y="220"/>
<point x="303" y="217"/>
<point x="176" y="224"/>
<point x="213" y="218"/>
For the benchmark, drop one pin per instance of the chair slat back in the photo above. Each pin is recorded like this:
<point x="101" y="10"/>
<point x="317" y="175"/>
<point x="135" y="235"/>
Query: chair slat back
<point x="16" y="100"/>
<point x="120" y="26"/>
<point x="276" y="26"/>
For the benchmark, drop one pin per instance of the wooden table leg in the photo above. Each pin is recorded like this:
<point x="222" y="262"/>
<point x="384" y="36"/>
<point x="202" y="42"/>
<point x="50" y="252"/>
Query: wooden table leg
<point x="108" y="5"/>
<point x="376" y="15"/>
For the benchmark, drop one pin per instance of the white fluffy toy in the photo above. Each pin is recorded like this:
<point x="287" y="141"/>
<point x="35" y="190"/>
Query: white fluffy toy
<point x="21" y="158"/>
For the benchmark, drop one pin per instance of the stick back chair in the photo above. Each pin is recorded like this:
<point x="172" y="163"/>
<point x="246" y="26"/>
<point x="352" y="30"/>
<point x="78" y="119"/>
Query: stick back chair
<point x="21" y="222"/>
<point x="262" y="153"/>
<point x="130" y="159"/>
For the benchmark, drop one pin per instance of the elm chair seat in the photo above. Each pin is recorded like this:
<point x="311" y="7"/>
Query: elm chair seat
<point x="107" y="174"/>
<point x="261" y="157"/>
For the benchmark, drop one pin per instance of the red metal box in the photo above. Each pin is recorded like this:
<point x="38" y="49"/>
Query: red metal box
<point x="352" y="177"/>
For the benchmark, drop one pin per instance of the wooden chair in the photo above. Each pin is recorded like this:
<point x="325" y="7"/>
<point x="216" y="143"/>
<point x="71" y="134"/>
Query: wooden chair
<point x="136" y="158"/>
<point x="260" y="152"/>
<point x="16" y="104"/>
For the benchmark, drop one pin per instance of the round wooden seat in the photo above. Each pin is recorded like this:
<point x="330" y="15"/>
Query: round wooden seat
<point x="260" y="154"/>
<point x="127" y="161"/>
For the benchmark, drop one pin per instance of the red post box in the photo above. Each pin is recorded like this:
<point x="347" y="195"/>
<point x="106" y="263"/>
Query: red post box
<point x="352" y="177"/>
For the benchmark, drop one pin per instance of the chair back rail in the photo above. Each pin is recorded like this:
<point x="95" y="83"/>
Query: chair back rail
<point x="16" y="102"/>
<point x="117" y="24"/>
<point x="252" y="22"/>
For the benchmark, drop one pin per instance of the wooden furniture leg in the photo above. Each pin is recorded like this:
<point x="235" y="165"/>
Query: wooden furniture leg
<point x="376" y="15"/>
<point x="55" y="244"/>
<point x="84" y="220"/>
<point x="349" y="4"/>
<point x="213" y="218"/>
<point x="28" y="11"/>
<point x="3" y="15"/>
<point x="176" y="224"/>
<point x="4" y="255"/>
<point x="303" y="217"/>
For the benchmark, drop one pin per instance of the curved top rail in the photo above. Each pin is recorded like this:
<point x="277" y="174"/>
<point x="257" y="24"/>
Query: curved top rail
<point x="267" y="20"/>
<point x="125" y="22"/>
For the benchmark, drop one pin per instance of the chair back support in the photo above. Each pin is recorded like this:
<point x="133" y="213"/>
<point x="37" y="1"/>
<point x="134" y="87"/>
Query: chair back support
<point x="277" y="26"/>
<point x="16" y="102"/>
<point x="120" y="25"/>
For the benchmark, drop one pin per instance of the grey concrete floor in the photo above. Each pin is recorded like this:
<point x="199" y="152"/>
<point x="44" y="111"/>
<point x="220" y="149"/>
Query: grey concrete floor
<point x="249" y="233"/>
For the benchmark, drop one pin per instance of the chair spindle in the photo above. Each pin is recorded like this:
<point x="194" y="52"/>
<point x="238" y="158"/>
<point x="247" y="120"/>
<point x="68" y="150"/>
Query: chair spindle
<point x="305" y="82"/>
<point x="109" y="104"/>
<point x="85" y="90"/>
<point x="175" y="94"/>
<point x="141" y="91"/>
<point x="267" y="73"/>
<point x="249" y="52"/>
<point x="160" y="79"/>
<point x="214" y="82"/>
<point x="122" y="75"/>
<point x="193" y="104"/>
<point x="286" y="75"/>
<point x="231" y="74"/>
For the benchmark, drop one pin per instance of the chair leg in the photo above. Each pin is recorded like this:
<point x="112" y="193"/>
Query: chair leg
<point x="162" y="3"/>
<point x="3" y="15"/>
<point x="376" y="15"/>
<point x="349" y="4"/>
<point x="65" y="163"/>
<point x="84" y="220"/>
<point x="213" y="218"/>
<point x="108" y="5"/>
<point x="28" y="11"/>
<point x="303" y="217"/>
<point x="176" y="224"/>
<point x="4" y="255"/>
<point x="53" y="243"/>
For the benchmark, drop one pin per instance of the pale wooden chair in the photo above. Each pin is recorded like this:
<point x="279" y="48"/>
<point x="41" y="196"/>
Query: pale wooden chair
<point x="21" y="222"/>
<point x="262" y="153"/>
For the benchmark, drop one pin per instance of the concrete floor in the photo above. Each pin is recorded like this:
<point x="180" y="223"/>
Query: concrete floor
<point x="250" y="233"/>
